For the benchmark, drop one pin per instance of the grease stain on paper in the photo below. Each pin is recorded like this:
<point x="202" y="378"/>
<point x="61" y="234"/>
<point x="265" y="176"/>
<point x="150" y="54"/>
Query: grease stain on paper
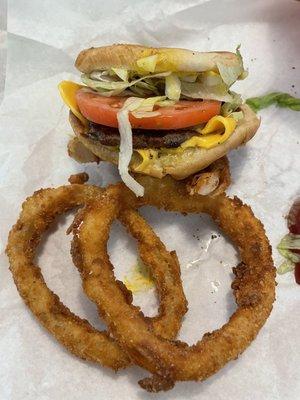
<point x="139" y="279"/>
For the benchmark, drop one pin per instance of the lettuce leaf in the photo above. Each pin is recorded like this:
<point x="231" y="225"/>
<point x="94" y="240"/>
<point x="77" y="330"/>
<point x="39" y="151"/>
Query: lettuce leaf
<point x="147" y="64"/>
<point x="229" y="107"/>
<point x="173" y="87"/>
<point x="121" y="73"/>
<point x="199" y="90"/>
<point x="288" y="243"/>
<point x="286" y="266"/>
<point x="94" y="82"/>
<point x="231" y="73"/>
<point x="237" y="115"/>
<point x="145" y="107"/>
<point x="126" y="148"/>
<point x="279" y="99"/>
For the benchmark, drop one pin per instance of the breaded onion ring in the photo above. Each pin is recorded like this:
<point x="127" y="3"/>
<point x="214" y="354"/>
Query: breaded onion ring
<point x="253" y="287"/>
<point x="76" y="334"/>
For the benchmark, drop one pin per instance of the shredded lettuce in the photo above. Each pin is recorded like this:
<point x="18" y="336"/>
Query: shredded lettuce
<point x="104" y="76"/>
<point x="237" y="115"/>
<point x="145" y="108"/>
<point x="229" y="107"/>
<point x="289" y="255"/>
<point x="173" y="87"/>
<point x="110" y="85"/>
<point x="230" y="73"/>
<point x="121" y="73"/>
<point x="147" y="64"/>
<point x="286" y="266"/>
<point x="288" y="243"/>
<point x="211" y="78"/>
<point x="198" y="90"/>
<point x="188" y="77"/>
<point x="97" y="84"/>
<point x="146" y="86"/>
<point x="244" y="73"/>
<point x="126" y="147"/>
<point x="279" y="99"/>
<point x="137" y="91"/>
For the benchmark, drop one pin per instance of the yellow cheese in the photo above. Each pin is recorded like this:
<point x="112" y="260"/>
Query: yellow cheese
<point x="217" y="130"/>
<point x="139" y="279"/>
<point x="147" y="156"/>
<point x="67" y="90"/>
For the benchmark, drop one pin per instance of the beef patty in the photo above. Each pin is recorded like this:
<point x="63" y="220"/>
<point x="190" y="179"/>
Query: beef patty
<point x="141" y="138"/>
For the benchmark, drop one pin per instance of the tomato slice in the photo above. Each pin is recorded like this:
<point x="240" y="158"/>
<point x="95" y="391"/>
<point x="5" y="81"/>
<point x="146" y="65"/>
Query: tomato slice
<point x="103" y="110"/>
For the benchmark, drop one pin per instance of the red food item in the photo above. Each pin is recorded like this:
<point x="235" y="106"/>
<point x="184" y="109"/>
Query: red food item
<point x="297" y="273"/>
<point x="294" y="217"/>
<point x="103" y="110"/>
<point x="293" y="221"/>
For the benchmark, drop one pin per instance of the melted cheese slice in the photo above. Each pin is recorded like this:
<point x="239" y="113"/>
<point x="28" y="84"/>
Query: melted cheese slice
<point x="217" y="130"/>
<point x="67" y="90"/>
<point x="147" y="155"/>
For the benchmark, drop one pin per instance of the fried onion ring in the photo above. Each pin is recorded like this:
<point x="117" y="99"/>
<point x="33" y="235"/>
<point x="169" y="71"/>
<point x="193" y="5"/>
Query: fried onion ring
<point x="253" y="287"/>
<point x="76" y="334"/>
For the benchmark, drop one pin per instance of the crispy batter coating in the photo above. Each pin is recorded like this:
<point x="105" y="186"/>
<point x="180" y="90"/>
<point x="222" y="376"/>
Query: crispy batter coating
<point x="77" y="335"/>
<point x="164" y="265"/>
<point x="253" y="286"/>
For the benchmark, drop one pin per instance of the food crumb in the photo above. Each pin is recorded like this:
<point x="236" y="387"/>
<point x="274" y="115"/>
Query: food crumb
<point x="80" y="178"/>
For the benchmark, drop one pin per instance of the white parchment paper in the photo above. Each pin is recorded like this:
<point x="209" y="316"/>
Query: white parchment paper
<point x="38" y="43"/>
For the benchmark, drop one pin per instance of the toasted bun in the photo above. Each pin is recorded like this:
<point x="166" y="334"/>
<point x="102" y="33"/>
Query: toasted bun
<point x="169" y="59"/>
<point x="182" y="165"/>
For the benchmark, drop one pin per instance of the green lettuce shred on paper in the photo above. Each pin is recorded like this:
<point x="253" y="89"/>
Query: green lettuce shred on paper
<point x="288" y="243"/>
<point x="279" y="99"/>
<point x="285" y="267"/>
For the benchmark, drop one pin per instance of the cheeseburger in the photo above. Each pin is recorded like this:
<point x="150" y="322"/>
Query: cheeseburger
<point x="156" y="111"/>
